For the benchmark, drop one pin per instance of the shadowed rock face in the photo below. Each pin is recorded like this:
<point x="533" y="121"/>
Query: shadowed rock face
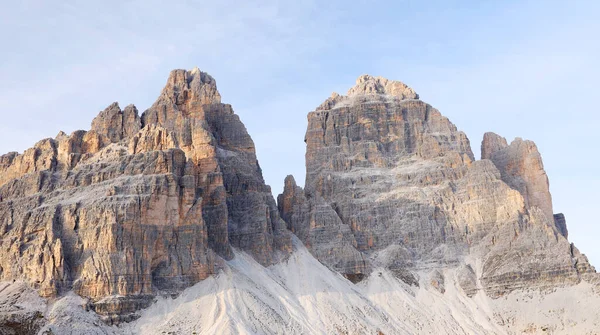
<point x="561" y="224"/>
<point x="391" y="182"/>
<point x="138" y="204"/>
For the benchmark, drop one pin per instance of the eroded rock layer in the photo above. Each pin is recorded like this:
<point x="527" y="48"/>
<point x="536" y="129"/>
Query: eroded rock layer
<point x="138" y="204"/>
<point x="391" y="182"/>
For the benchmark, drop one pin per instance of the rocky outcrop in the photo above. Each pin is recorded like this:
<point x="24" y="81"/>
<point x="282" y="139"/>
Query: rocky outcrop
<point x="437" y="281"/>
<point x="400" y="184"/>
<point x="520" y="165"/>
<point x="561" y="224"/>
<point x="365" y="152"/>
<point x="467" y="280"/>
<point x="237" y="205"/>
<point x="138" y="205"/>
<point x="21" y="309"/>
<point x="115" y="124"/>
<point x="317" y="224"/>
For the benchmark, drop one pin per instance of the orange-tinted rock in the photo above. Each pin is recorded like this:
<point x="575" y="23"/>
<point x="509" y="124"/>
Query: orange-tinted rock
<point x="521" y="167"/>
<point x="238" y="207"/>
<point x="115" y="124"/>
<point x="138" y="205"/>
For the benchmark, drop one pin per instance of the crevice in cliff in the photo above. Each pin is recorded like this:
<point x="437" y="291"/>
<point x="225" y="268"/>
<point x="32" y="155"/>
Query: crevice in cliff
<point x="575" y="259"/>
<point x="408" y="145"/>
<point x="324" y="126"/>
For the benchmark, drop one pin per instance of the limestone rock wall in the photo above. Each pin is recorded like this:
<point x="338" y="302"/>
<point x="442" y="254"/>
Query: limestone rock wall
<point x="319" y="226"/>
<point x="152" y="203"/>
<point x="139" y="204"/>
<point x="561" y="224"/>
<point x="403" y="190"/>
<point x="521" y="167"/>
<point x="239" y="207"/>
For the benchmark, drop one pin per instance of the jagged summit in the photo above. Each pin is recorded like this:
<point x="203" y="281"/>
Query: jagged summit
<point x="392" y="182"/>
<point x="367" y="84"/>
<point x="491" y="143"/>
<point x="368" y="87"/>
<point x="184" y="86"/>
<point x="138" y="205"/>
<point x="521" y="167"/>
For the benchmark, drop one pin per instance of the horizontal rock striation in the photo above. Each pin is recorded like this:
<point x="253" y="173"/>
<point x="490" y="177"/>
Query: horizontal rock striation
<point x="391" y="182"/>
<point x="139" y="204"/>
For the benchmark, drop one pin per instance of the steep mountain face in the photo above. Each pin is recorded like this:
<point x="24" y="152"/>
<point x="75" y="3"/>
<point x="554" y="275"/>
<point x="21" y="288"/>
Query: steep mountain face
<point x="391" y="182"/>
<point x="162" y="223"/>
<point x="521" y="168"/>
<point x="139" y="204"/>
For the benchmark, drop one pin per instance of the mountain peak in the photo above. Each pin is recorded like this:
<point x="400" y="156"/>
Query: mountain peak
<point x="185" y="86"/>
<point x="369" y="88"/>
<point x="367" y="84"/>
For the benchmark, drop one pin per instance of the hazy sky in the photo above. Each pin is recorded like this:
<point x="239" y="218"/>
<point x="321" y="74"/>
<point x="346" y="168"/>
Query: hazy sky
<point x="518" y="68"/>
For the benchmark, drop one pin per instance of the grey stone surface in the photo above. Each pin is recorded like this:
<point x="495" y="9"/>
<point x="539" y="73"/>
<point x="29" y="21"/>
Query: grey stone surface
<point x="467" y="279"/>
<point x="561" y="224"/>
<point x="21" y="309"/>
<point x="402" y="179"/>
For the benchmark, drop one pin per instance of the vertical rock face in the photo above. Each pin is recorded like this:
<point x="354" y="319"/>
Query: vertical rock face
<point x="316" y="223"/>
<point x="115" y="124"/>
<point x="395" y="184"/>
<point x="238" y="206"/>
<point x="366" y="153"/>
<point x="138" y="204"/>
<point x="561" y="224"/>
<point x="520" y="165"/>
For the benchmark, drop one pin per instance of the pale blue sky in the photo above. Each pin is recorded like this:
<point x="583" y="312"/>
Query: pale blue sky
<point x="518" y="68"/>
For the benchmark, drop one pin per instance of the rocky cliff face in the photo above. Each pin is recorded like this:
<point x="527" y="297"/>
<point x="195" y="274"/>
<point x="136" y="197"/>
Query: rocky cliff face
<point x="139" y="204"/>
<point x="150" y="204"/>
<point x="521" y="168"/>
<point x="391" y="182"/>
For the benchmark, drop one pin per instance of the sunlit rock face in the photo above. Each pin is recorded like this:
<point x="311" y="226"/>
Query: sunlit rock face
<point x="238" y="207"/>
<point x="146" y="205"/>
<point x="139" y="204"/>
<point x="520" y="165"/>
<point x="391" y="182"/>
